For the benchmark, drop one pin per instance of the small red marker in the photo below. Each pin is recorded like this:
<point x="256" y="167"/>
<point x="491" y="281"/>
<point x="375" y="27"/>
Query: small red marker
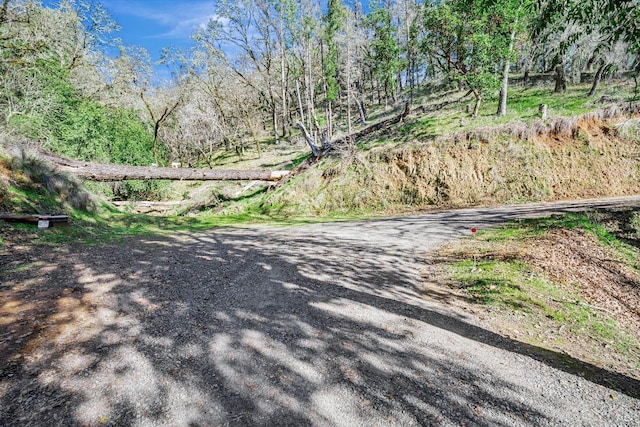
<point x="473" y="230"/>
<point x="553" y="186"/>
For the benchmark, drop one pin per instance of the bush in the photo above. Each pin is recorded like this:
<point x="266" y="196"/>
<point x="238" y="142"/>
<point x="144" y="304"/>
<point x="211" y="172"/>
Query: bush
<point x="90" y="131"/>
<point x="141" y="190"/>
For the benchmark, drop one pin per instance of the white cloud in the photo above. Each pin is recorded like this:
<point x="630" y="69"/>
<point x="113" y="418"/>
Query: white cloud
<point x="175" y="19"/>
<point x="186" y="27"/>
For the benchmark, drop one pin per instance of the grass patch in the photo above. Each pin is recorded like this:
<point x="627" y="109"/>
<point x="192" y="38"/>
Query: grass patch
<point x="515" y="286"/>
<point x="619" y="230"/>
<point x="497" y="283"/>
<point x="568" y="283"/>
<point x="109" y="226"/>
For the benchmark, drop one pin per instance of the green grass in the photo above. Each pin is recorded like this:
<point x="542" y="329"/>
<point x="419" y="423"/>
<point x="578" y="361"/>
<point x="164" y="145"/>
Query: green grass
<point x="30" y="199"/>
<point x="496" y="282"/>
<point x="594" y="222"/>
<point x="111" y="226"/>
<point x="507" y="282"/>
<point x="514" y="286"/>
<point x="522" y="105"/>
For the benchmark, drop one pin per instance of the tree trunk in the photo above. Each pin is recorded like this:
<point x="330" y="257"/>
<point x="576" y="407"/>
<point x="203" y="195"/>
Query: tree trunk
<point x="412" y="82"/>
<point x="102" y="172"/>
<point x="362" y="112"/>
<point x="156" y="127"/>
<point x="299" y="101"/>
<point x="274" y="120"/>
<point x="502" y="104"/>
<point x="329" y="120"/>
<point x="227" y="143"/>
<point x="476" y="107"/>
<point x="598" y="77"/>
<point x="307" y="137"/>
<point x="348" y="72"/>
<point x="561" y="78"/>
<point x="283" y="75"/>
<point x="308" y="89"/>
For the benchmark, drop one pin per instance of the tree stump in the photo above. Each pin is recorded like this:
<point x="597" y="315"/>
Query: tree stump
<point x="543" y="111"/>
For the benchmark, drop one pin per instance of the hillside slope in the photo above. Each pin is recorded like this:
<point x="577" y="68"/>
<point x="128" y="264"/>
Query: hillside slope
<point x="30" y="185"/>
<point x="594" y="155"/>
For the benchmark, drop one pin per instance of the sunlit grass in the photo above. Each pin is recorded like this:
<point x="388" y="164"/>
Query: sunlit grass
<point x="494" y="277"/>
<point x="522" y="105"/>
<point x="513" y="285"/>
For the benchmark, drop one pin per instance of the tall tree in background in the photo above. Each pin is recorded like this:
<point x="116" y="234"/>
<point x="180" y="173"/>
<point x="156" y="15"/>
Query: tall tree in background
<point x="247" y="25"/>
<point x="463" y="46"/>
<point x="306" y="34"/>
<point x="352" y="42"/>
<point x="385" y="52"/>
<point x="285" y="12"/>
<point x="334" y="21"/>
<point x="408" y="13"/>
<point x="509" y="18"/>
<point x="618" y="23"/>
<point x="159" y="102"/>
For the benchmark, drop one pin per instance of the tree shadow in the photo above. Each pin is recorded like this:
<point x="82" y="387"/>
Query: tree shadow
<point x="287" y="327"/>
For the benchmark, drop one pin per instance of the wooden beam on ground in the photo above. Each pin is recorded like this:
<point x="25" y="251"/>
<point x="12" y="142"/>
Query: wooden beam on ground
<point x="34" y="218"/>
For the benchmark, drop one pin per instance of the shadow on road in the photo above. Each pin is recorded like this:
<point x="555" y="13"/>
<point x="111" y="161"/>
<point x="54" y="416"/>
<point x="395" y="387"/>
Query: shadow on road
<point x="249" y="327"/>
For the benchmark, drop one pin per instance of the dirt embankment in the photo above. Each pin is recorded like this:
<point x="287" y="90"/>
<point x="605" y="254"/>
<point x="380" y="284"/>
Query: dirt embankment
<point x="573" y="158"/>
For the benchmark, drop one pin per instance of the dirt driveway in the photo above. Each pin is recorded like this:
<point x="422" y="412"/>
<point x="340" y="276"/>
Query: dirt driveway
<point x="312" y="325"/>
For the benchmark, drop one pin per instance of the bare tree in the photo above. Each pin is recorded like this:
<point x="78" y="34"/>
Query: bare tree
<point x="158" y="103"/>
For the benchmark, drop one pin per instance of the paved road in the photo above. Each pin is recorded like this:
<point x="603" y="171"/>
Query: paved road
<point x="325" y="324"/>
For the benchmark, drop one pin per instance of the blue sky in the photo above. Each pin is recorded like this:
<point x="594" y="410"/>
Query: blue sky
<point x="155" y="24"/>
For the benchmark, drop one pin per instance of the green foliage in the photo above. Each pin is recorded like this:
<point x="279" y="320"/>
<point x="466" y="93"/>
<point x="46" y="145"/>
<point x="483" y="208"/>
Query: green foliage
<point x="385" y="52"/>
<point x="39" y="94"/>
<point x="79" y="127"/>
<point x="617" y="19"/>
<point x="334" y="20"/>
<point x="90" y="131"/>
<point x="463" y="41"/>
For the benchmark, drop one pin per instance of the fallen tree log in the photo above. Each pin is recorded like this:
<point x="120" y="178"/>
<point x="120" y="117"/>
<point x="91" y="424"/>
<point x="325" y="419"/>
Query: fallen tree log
<point x="102" y="172"/>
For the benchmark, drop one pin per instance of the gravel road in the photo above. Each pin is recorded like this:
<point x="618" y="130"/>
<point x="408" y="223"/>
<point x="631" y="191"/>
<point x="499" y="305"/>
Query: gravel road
<point x="324" y="324"/>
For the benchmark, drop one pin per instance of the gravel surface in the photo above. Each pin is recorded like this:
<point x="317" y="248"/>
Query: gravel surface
<point x="322" y="325"/>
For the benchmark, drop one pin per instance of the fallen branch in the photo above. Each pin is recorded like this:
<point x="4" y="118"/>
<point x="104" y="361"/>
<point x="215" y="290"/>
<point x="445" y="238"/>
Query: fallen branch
<point x="406" y="111"/>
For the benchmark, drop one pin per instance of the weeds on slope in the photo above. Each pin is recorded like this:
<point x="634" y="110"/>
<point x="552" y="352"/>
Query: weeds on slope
<point x="567" y="283"/>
